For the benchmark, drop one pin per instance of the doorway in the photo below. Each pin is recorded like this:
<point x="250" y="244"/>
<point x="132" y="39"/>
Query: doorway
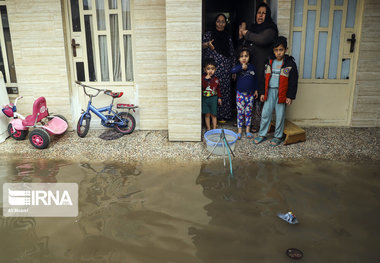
<point x="236" y="12"/>
<point x="100" y="38"/>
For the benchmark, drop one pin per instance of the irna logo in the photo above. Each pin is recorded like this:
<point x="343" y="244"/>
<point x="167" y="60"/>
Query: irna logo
<point x="39" y="197"/>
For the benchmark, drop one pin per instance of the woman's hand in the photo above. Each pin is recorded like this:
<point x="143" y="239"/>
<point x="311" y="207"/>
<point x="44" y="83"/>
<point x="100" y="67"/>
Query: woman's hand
<point x="242" y="27"/>
<point x="208" y="44"/>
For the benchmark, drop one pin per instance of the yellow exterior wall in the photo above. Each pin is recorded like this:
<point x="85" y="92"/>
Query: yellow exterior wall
<point x="183" y="42"/>
<point x="39" y="54"/>
<point x="149" y="25"/>
<point x="366" y="105"/>
<point x="283" y="17"/>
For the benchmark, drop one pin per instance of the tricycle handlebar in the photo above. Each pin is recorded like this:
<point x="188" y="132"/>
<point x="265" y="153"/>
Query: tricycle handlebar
<point x="16" y="100"/>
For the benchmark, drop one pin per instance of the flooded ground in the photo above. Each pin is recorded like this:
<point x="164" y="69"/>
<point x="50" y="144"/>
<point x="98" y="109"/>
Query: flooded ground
<point x="196" y="212"/>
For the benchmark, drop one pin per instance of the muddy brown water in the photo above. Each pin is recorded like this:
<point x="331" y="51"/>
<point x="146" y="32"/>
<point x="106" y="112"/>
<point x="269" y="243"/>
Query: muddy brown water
<point x="196" y="212"/>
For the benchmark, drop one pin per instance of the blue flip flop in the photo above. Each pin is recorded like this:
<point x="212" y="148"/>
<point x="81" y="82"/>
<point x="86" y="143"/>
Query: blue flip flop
<point x="239" y="136"/>
<point x="249" y="135"/>
<point x="276" y="142"/>
<point x="259" y="139"/>
<point x="288" y="217"/>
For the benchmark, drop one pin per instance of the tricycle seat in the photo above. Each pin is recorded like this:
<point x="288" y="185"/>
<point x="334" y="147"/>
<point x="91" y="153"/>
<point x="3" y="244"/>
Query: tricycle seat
<point x="39" y="112"/>
<point x="29" y="120"/>
<point x="56" y="126"/>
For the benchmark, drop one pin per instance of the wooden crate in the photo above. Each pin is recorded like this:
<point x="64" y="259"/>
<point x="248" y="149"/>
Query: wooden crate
<point x="292" y="132"/>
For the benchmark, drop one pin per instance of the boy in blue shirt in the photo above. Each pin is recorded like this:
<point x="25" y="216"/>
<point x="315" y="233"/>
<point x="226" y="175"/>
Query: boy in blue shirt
<point x="281" y="82"/>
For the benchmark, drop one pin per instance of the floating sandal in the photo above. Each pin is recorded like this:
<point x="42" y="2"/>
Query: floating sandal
<point x="222" y="121"/>
<point x="249" y="135"/>
<point x="239" y="136"/>
<point x="294" y="253"/>
<point x="288" y="217"/>
<point x="259" y="139"/>
<point x="275" y="142"/>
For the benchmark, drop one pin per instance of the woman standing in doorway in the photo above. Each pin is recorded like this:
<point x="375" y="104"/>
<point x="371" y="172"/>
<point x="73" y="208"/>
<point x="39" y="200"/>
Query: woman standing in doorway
<point x="217" y="45"/>
<point x="259" y="40"/>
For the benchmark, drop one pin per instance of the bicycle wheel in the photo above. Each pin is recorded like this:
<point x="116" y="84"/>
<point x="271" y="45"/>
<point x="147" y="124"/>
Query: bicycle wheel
<point x="17" y="134"/>
<point x="130" y="123"/>
<point x="82" y="129"/>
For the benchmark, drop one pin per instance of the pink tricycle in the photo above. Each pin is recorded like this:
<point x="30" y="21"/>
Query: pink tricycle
<point x="44" y="125"/>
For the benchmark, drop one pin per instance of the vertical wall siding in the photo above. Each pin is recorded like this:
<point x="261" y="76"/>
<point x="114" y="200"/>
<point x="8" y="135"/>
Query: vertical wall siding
<point x="283" y="17"/>
<point x="183" y="41"/>
<point x="366" y="107"/>
<point x="150" y="63"/>
<point x="39" y="53"/>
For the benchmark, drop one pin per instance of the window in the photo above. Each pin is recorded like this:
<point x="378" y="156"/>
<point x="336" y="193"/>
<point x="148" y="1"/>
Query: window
<point x="105" y="26"/>
<point x="7" y="65"/>
<point x="320" y="36"/>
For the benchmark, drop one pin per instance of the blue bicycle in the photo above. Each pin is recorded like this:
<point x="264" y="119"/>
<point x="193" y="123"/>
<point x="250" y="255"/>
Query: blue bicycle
<point x="124" y="122"/>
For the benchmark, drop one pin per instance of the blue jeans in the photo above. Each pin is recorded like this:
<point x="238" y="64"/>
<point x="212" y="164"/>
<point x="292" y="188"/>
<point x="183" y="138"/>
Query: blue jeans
<point x="269" y="105"/>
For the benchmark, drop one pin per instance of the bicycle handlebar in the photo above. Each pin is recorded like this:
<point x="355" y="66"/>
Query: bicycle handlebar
<point x="85" y="86"/>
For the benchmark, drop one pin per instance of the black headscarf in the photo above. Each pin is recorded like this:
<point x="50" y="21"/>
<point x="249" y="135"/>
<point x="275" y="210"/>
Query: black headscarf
<point x="221" y="39"/>
<point x="268" y="22"/>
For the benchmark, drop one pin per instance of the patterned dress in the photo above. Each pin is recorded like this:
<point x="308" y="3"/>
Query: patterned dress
<point x="223" y="72"/>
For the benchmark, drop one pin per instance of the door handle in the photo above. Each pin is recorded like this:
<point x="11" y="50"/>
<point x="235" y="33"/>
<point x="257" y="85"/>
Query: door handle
<point x="352" y="44"/>
<point x="74" y="46"/>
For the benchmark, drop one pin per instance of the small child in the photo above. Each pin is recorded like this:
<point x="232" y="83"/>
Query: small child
<point x="281" y="81"/>
<point x="246" y="90"/>
<point x="211" y="95"/>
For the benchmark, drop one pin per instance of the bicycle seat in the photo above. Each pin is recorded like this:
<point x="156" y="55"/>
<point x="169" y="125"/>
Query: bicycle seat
<point x="113" y="94"/>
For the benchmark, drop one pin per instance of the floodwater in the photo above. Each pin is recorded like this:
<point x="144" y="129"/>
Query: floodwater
<point x="196" y="212"/>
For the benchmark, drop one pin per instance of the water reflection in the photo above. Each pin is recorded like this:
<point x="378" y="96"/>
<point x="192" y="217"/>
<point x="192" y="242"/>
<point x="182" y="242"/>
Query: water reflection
<point x="194" y="212"/>
<point x="240" y="210"/>
<point x="41" y="171"/>
<point x="326" y="196"/>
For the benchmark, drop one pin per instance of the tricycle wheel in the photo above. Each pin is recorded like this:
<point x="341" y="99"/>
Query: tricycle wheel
<point x="39" y="138"/>
<point x="130" y="123"/>
<point x="82" y="129"/>
<point x="17" y="134"/>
